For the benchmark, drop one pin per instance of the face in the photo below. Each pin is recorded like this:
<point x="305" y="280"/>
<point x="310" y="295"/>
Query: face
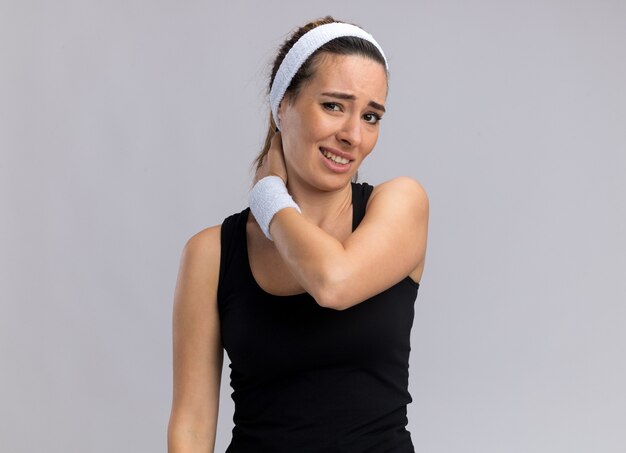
<point x="333" y="123"/>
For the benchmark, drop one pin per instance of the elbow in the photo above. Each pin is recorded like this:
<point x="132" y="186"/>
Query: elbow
<point x="330" y="294"/>
<point x="185" y="437"/>
<point x="327" y="300"/>
<point x="333" y="282"/>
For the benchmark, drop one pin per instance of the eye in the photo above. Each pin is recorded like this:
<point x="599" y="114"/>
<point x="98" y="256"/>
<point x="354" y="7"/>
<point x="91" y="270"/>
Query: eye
<point x="372" y="118"/>
<point x="332" y="106"/>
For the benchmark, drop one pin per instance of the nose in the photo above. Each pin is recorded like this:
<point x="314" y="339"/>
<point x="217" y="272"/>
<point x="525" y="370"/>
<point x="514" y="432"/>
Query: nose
<point x="350" y="131"/>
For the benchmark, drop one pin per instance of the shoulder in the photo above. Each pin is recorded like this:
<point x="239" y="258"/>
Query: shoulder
<point x="204" y="243"/>
<point x="402" y="191"/>
<point x="203" y="249"/>
<point x="201" y="254"/>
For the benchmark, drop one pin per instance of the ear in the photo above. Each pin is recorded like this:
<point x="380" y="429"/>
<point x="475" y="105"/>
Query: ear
<point x="280" y="110"/>
<point x="283" y="107"/>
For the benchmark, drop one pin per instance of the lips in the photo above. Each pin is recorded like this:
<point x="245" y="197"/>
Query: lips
<point x="337" y="153"/>
<point x="333" y="166"/>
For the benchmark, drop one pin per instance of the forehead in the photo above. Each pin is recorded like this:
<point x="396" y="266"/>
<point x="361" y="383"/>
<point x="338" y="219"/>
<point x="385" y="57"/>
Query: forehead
<point x="352" y="74"/>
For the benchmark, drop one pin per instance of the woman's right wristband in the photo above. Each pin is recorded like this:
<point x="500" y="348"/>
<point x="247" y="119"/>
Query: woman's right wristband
<point x="268" y="196"/>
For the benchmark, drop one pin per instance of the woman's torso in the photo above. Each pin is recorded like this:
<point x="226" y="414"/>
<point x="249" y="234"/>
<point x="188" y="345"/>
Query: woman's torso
<point x="308" y="378"/>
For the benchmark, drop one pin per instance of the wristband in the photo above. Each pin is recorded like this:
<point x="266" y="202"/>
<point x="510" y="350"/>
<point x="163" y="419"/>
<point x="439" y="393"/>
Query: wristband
<point x="268" y="196"/>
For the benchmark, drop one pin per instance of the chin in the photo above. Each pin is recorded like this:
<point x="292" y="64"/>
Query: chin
<point x="335" y="182"/>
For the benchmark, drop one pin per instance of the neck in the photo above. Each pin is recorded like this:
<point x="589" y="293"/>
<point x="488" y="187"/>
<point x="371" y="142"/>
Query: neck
<point x="322" y="207"/>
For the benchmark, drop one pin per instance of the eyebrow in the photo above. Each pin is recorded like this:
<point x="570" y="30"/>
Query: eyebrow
<point x="352" y="97"/>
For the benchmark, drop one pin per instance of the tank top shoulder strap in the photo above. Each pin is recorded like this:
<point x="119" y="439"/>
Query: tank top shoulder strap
<point x="232" y="252"/>
<point x="360" y="194"/>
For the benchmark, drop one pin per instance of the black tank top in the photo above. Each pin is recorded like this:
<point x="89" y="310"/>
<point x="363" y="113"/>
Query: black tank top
<point x="308" y="378"/>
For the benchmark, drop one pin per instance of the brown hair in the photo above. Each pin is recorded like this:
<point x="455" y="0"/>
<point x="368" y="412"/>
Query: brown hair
<point x="346" y="45"/>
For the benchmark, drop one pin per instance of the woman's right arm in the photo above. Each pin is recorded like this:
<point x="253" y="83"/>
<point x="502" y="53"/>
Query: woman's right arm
<point x="197" y="348"/>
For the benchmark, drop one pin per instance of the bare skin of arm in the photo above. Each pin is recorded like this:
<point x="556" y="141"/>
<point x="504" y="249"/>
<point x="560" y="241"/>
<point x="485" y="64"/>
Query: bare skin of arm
<point x="197" y="352"/>
<point x="389" y="243"/>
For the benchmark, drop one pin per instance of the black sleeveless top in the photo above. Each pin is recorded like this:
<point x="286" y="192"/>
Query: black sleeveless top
<point x="308" y="378"/>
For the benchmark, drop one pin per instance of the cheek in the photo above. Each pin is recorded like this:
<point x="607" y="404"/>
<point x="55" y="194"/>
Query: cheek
<point x="296" y="136"/>
<point x="365" y="154"/>
<point x="308" y="123"/>
<point x="287" y="144"/>
<point x="292" y="142"/>
<point x="371" y="143"/>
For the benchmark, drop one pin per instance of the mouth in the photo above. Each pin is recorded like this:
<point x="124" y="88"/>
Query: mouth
<point x="335" y="157"/>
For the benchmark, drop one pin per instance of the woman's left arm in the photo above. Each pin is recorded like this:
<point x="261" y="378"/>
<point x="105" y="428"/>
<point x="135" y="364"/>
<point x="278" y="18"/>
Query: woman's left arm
<point x="389" y="243"/>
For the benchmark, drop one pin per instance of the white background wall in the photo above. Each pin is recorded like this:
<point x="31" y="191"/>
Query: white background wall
<point x="127" y="126"/>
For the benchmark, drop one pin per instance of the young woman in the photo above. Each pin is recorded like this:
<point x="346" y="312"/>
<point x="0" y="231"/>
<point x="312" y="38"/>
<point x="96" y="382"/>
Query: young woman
<point x="311" y="289"/>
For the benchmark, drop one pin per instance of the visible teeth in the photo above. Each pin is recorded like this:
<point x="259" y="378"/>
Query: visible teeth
<point x="331" y="156"/>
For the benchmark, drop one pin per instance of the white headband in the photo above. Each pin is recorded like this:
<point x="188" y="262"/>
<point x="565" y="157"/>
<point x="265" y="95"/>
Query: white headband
<point x="303" y="49"/>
